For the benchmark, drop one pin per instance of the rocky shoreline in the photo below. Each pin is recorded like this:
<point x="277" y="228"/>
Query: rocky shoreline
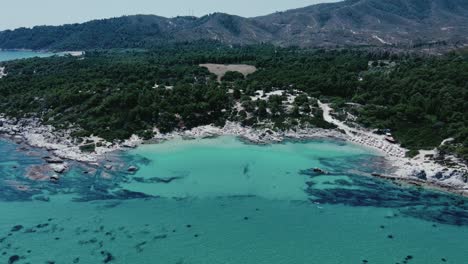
<point x="426" y="169"/>
<point x="63" y="148"/>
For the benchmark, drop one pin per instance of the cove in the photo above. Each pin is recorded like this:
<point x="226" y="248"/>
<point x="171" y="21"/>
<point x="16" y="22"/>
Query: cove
<point x="220" y="200"/>
<point x="224" y="166"/>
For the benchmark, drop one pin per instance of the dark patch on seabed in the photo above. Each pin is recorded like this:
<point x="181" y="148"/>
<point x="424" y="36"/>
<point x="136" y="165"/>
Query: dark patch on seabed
<point x="409" y="201"/>
<point x="88" y="187"/>
<point x="136" y="159"/>
<point x="95" y="183"/>
<point x="89" y="183"/>
<point x="96" y="239"/>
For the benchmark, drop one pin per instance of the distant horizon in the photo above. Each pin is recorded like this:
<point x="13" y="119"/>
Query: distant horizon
<point x="24" y="13"/>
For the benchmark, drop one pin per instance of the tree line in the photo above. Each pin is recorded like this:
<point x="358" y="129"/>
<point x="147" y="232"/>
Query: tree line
<point x="116" y="93"/>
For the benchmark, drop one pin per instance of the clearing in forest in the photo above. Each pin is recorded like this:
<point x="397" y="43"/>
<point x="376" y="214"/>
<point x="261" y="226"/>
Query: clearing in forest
<point x="221" y="69"/>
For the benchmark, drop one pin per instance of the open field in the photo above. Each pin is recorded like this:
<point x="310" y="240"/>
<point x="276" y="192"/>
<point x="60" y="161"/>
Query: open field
<point x="221" y="69"/>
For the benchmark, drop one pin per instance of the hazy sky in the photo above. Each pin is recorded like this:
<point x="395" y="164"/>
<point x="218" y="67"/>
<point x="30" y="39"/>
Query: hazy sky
<point x="27" y="13"/>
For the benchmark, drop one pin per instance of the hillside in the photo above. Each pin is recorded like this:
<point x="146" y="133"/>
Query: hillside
<point x="372" y="22"/>
<point x="351" y="22"/>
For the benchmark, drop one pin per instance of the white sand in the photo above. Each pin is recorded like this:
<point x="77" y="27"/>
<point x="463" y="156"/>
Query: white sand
<point x="73" y="53"/>
<point x="406" y="168"/>
<point x="363" y="136"/>
<point x="2" y="72"/>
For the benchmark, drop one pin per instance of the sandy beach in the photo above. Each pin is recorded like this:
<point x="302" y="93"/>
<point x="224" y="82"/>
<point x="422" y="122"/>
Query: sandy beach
<point x="421" y="170"/>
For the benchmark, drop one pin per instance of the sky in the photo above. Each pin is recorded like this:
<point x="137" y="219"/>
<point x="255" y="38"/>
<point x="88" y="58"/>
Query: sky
<point x="27" y="13"/>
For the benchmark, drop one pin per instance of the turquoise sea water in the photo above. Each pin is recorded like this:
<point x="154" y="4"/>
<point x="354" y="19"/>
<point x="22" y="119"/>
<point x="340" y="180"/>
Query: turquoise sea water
<point x="13" y="55"/>
<point x="222" y="201"/>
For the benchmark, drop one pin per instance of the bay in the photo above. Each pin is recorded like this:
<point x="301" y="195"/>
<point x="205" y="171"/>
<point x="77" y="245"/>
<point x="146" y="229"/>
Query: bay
<point x="220" y="200"/>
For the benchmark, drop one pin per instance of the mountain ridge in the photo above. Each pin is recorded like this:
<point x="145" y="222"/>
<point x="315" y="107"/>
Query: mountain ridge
<point x="351" y="22"/>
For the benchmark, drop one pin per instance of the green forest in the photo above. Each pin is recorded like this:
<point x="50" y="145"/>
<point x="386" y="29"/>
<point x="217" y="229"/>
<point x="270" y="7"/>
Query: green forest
<point x="116" y="93"/>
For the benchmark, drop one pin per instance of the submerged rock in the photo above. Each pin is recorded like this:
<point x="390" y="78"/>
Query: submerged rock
<point x="160" y="236"/>
<point x="139" y="246"/>
<point x="132" y="169"/>
<point x="42" y="198"/>
<point x="156" y="179"/>
<point x="108" y="256"/>
<point x="318" y="170"/>
<point x="53" y="160"/>
<point x="55" y="178"/>
<point x="30" y="230"/>
<point x="59" y="168"/>
<point x="13" y="259"/>
<point x="16" y="228"/>
<point x="42" y="225"/>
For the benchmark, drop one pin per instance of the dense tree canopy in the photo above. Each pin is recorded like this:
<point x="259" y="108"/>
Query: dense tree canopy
<point x="116" y="93"/>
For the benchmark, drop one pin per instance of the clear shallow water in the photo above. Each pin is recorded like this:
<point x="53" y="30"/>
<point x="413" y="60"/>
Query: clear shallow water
<point x="226" y="167"/>
<point x="222" y="201"/>
<point x="14" y="55"/>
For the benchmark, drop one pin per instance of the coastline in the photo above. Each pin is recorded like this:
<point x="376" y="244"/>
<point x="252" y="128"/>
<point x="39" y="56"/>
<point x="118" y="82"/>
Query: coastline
<point x="42" y="53"/>
<point x="419" y="171"/>
<point x="437" y="186"/>
<point x="423" y="169"/>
